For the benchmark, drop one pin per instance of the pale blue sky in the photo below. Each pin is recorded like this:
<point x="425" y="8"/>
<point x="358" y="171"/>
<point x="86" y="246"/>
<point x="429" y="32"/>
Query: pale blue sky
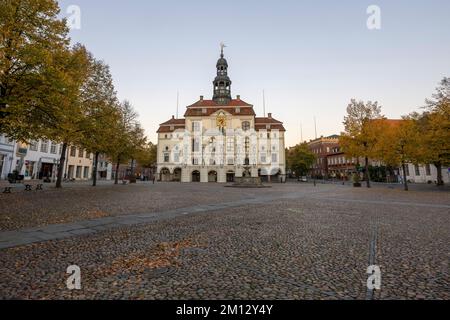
<point x="311" y="57"/>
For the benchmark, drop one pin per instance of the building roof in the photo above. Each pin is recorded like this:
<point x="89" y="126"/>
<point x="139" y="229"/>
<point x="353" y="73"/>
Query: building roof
<point x="262" y="123"/>
<point x="267" y="120"/>
<point x="211" y="103"/>
<point x="174" y="121"/>
<point x="172" y="125"/>
<point x="330" y="139"/>
<point x="206" y="112"/>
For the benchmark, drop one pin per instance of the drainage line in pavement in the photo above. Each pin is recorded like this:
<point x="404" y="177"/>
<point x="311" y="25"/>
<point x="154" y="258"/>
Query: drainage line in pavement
<point x="372" y="256"/>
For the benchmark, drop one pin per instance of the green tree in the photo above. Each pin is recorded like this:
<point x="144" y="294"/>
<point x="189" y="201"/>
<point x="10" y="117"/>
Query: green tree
<point x="361" y="132"/>
<point x="299" y="159"/>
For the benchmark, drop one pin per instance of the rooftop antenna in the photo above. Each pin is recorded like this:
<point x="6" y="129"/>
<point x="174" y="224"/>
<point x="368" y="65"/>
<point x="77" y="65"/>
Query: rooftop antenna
<point x="264" y="103"/>
<point x="301" y="132"/>
<point x="315" y="126"/>
<point x="178" y="102"/>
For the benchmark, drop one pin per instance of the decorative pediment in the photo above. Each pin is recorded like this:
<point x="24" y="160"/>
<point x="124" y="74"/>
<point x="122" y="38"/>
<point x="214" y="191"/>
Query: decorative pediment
<point x="221" y="112"/>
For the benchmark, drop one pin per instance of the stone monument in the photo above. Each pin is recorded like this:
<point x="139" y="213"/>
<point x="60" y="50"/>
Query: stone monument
<point x="247" y="181"/>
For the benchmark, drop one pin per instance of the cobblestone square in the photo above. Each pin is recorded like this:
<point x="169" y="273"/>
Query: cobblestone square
<point x="205" y="241"/>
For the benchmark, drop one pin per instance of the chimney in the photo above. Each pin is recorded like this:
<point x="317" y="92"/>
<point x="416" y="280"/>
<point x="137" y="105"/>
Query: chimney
<point x="270" y="116"/>
<point x="201" y="98"/>
<point x="173" y="117"/>
<point x="239" y="97"/>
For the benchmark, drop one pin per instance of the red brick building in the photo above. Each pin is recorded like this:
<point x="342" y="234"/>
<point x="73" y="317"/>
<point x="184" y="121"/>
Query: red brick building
<point x="322" y="147"/>
<point x="339" y="165"/>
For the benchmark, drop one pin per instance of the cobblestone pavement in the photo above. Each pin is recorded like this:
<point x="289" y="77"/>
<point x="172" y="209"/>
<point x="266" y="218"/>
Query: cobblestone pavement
<point x="288" y="242"/>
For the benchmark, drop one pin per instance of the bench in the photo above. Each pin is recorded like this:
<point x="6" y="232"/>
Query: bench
<point x="29" y="187"/>
<point x="7" y="189"/>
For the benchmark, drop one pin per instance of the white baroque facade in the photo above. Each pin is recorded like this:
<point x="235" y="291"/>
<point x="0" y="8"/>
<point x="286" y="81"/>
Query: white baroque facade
<point x="218" y="139"/>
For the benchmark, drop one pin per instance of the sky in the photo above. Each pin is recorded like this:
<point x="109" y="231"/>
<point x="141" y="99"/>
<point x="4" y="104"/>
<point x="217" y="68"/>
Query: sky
<point x="310" y="57"/>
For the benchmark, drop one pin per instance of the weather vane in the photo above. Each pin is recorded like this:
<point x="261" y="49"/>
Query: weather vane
<point x="222" y="46"/>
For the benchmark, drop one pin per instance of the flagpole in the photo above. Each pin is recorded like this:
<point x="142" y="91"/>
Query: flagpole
<point x="264" y="103"/>
<point x="178" y="102"/>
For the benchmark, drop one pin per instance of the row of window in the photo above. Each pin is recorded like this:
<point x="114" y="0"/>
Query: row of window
<point x="81" y="153"/>
<point x="230" y="161"/>
<point x="78" y="172"/>
<point x="261" y="136"/>
<point x="45" y="147"/>
<point x="417" y="170"/>
<point x="321" y="150"/>
<point x="53" y="148"/>
<point x="5" y="140"/>
<point x="340" y="160"/>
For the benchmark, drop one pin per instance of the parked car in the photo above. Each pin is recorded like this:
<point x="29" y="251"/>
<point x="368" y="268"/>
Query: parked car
<point x="303" y="179"/>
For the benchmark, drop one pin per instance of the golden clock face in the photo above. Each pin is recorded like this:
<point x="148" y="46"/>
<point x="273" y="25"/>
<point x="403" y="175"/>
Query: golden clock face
<point x="221" y="120"/>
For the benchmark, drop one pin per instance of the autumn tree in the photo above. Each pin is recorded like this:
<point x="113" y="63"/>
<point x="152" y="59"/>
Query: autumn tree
<point x="31" y="34"/>
<point x="65" y="114"/>
<point x="299" y="159"/>
<point x="102" y="112"/>
<point x="361" y="132"/>
<point x="398" y="143"/>
<point x="434" y="126"/>
<point x="147" y="155"/>
<point x="129" y="138"/>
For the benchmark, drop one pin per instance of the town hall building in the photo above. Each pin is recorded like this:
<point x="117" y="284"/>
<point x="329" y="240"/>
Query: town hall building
<point x="220" y="139"/>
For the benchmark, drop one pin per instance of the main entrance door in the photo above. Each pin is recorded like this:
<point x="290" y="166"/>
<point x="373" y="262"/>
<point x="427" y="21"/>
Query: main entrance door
<point x="196" y="176"/>
<point x="230" y="176"/>
<point x="46" y="171"/>
<point x="212" y="176"/>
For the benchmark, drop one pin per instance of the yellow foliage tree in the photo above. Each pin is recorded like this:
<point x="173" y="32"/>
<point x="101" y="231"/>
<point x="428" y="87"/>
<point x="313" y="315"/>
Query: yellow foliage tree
<point x="361" y="132"/>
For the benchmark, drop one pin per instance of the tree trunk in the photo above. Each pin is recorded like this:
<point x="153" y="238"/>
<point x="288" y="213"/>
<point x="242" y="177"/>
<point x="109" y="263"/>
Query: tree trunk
<point x="94" y="174"/>
<point x="116" y="180"/>
<point x="366" y="173"/>
<point x="405" y="180"/>
<point x="440" y="180"/>
<point x="133" y="177"/>
<point x="62" y="162"/>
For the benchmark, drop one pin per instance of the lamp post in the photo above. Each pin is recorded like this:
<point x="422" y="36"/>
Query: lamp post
<point x="55" y="169"/>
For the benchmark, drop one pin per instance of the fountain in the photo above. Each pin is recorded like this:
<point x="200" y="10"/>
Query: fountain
<point x="247" y="181"/>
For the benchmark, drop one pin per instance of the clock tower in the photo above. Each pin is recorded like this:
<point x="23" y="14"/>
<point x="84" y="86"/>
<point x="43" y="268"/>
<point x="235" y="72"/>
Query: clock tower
<point x="222" y="83"/>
